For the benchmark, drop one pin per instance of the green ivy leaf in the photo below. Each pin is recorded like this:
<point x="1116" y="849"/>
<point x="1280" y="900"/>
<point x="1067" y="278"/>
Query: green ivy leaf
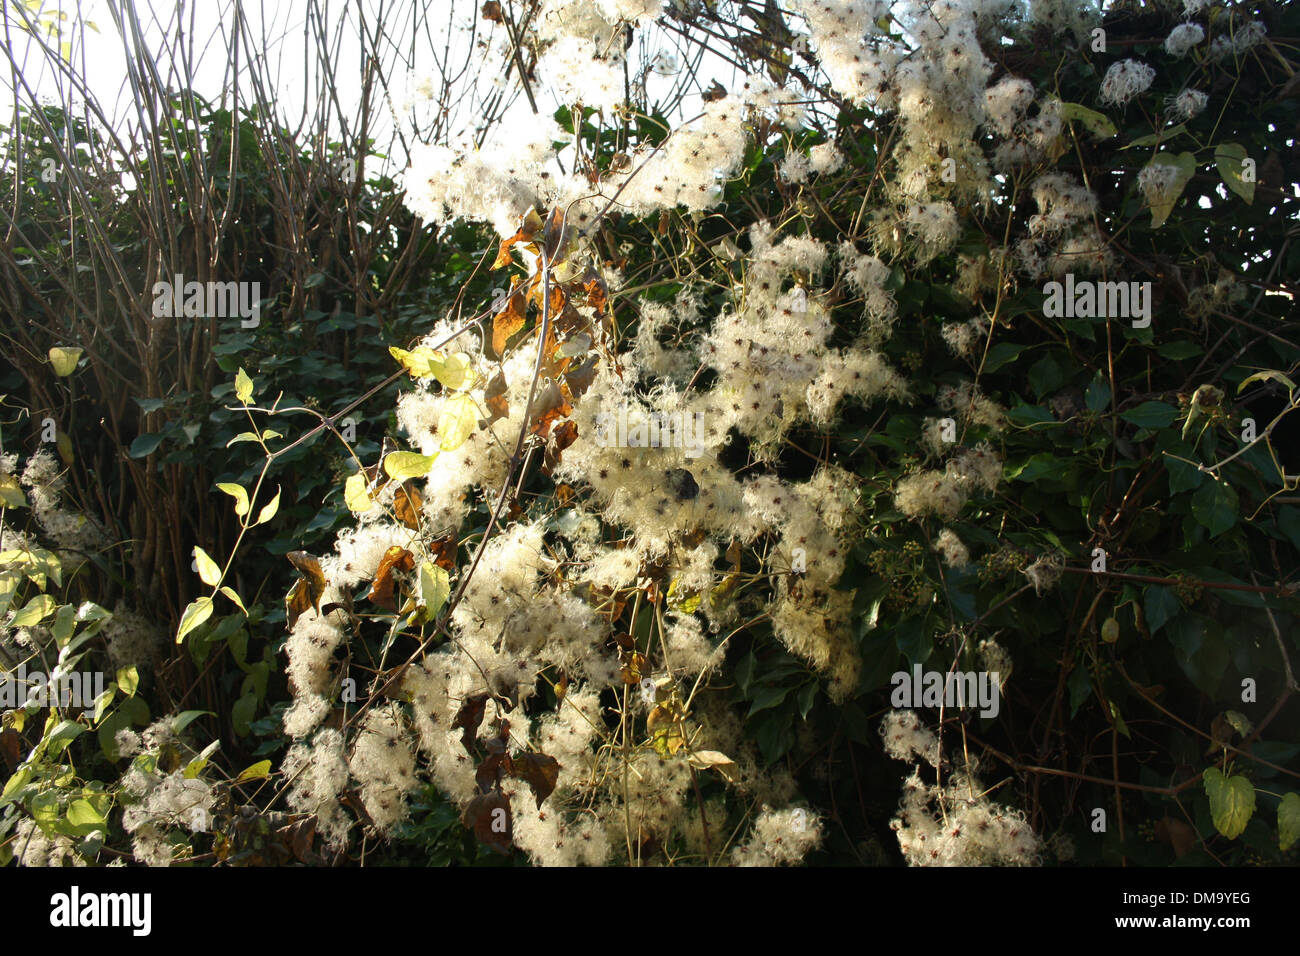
<point x="1232" y="801"/>
<point x="1185" y="166"/>
<point x="1214" y="506"/>
<point x="1230" y="159"/>
<point x="1288" y="821"/>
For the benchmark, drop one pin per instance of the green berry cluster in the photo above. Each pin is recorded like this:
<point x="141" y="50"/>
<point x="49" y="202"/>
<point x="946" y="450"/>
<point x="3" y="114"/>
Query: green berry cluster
<point x="1188" y="590"/>
<point x="903" y="570"/>
<point x="1001" y="563"/>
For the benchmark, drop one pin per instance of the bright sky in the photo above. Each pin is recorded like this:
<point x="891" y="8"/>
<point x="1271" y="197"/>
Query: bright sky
<point x="277" y="32"/>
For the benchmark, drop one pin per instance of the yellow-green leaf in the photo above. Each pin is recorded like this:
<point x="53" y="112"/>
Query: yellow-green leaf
<point x="1288" y="821"/>
<point x="458" y="421"/>
<point x="243" y="386"/>
<point x="196" y="613"/>
<point x="238" y="493"/>
<point x="234" y="596"/>
<point x="128" y="679"/>
<point x="11" y="495"/>
<point x="35" y="611"/>
<point x="401" y="465"/>
<point x="82" y="813"/>
<point x="267" y="513"/>
<point x="1232" y="801"/>
<point x="64" y="360"/>
<point x="256" y="772"/>
<point x="1185" y="166"/>
<point x="209" y="571"/>
<point x="1098" y="124"/>
<point x="435" y="589"/>
<point x="356" y="494"/>
<point x="1230" y="158"/>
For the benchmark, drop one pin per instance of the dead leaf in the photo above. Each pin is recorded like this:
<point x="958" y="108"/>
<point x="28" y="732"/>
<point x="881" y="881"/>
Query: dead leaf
<point x="495" y="398"/>
<point x="307" y="590"/>
<point x="492" y="11"/>
<point x="443" y="551"/>
<point x="539" y="771"/>
<point x="395" y="558"/>
<point x="10" y="747"/>
<point x="713" y="760"/>
<point x="407" y="503"/>
<point x="488" y="815"/>
<point x="469" y="717"/>
<point x="507" y="322"/>
<point x="633" y="664"/>
<point x="549" y="404"/>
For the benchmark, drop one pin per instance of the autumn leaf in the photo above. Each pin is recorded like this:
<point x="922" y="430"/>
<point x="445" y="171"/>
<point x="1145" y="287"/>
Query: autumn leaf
<point x="468" y="719"/>
<point x="307" y="590"/>
<point x="395" y="558"/>
<point x="549" y="404"/>
<point x="458" y="421"/>
<point x="495" y="398"/>
<point x="633" y="664"/>
<point x="539" y="771"/>
<point x="443" y="551"/>
<point x="488" y="815"/>
<point x="406" y="505"/>
<point x="492" y="11"/>
<point x="507" y="322"/>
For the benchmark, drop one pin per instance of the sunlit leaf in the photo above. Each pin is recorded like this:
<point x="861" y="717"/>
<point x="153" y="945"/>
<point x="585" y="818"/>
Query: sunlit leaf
<point x="458" y="421"/>
<point x="196" y="613"/>
<point x="238" y="493"/>
<point x="243" y="386"/>
<point x="209" y="570"/>
<point x="64" y="360"/>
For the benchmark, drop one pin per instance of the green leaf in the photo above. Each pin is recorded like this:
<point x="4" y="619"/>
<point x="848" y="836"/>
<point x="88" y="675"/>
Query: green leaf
<point x="1288" y="821"/>
<point x="1184" y="165"/>
<point x="82" y="814"/>
<point x="766" y="698"/>
<point x="242" y="712"/>
<point x="1154" y="139"/>
<point x="1232" y="801"/>
<point x="234" y="596"/>
<point x="267" y="513"/>
<point x="243" y="387"/>
<point x="256" y="772"/>
<point x="1151" y="415"/>
<point x="64" y="360"/>
<point x="196" y="613"/>
<point x="1002" y="353"/>
<point x="1214" y="506"/>
<point x="145" y="445"/>
<point x="11" y="494"/>
<point x="455" y="371"/>
<point x="458" y="421"/>
<point x="35" y="611"/>
<point x="1098" y="124"/>
<point x="1229" y="158"/>
<point x="238" y="493"/>
<point x="209" y="571"/>
<point x="401" y="465"/>
<point x="1266" y="375"/>
<point x="128" y="679"/>
<point x="187" y="717"/>
<point x="1159" y="604"/>
<point x="435" y="589"/>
